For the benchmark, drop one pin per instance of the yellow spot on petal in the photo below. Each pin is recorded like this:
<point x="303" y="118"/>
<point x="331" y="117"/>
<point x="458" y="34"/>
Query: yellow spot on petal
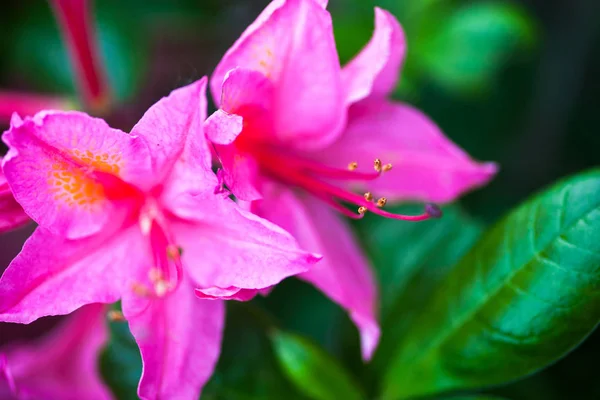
<point x="73" y="187"/>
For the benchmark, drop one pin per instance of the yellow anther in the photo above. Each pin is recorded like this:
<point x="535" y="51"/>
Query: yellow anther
<point x="154" y="275"/>
<point x="368" y="196"/>
<point x="174" y="252"/>
<point x="387" y="167"/>
<point x="362" y="210"/>
<point x="140" y="290"/>
<point x="381" y="202"/>
<point x="115" y="316"/>
<point x="377" y="165"/>
<point x="161" y="287"/>
<point x="352" y="166"/>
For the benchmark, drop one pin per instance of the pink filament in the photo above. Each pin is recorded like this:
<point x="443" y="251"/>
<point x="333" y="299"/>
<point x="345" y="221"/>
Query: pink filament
<point x="306" y="174"/>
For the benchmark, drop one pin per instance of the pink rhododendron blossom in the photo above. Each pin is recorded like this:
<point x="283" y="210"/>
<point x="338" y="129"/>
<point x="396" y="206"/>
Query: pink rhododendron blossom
<point x="298" y="135"/>
<point x="135" y="217"/>
<point x="63" y="365"/>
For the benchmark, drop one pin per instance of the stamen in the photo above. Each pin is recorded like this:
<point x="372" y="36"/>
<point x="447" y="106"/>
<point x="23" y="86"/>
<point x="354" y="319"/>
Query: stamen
<point x="141" y="290"/>
<point x="433" y="210"/>
<point x="368" y="196"/>
<point x="162" y="287"/>
<point x="387" y="167"/>
<point x="352" y="166"/>
<point x="174" y="252"/>
<point x="154" y="275"/>
<point x="377" y="165"/>
<point x="362" y="210"/>
<point x="115" y="316"/>
<point x="381" y="202"/>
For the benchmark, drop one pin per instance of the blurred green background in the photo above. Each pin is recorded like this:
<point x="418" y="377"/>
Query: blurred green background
<point x="517" y="82"/>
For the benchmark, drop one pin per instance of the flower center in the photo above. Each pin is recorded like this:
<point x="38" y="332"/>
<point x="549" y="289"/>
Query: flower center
<point x="167" y="271"/>
<point x="319" y="180"/>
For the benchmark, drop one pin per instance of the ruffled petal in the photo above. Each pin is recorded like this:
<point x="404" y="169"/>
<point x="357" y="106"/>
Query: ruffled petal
<point x="55" y="276"/>
<point x="344" y="274"/>
<point x="69" y="171"/>
<point x="375" y="70"/>
<point x="427" y="166"/>
<point x="172" y="127"/>
<point x="180" y="341"/>
<point x="232" y="248"/>
<point x="64" y="364"/>
<point x="291" y="43"/>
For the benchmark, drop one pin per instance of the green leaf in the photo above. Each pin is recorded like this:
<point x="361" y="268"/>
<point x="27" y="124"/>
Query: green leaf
<point x="247" y="368"/>
<point x="400" y="252"/>
<point x="120" y="362"/>
<point x="526" y="294"/>
<point x="312" y="370"/>
<point x="469" y="47"/>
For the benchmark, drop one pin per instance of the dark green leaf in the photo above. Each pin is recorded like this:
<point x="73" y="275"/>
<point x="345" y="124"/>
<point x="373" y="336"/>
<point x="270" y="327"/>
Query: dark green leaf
<point x="526" y="294"/>
<point x="312" y="370"/>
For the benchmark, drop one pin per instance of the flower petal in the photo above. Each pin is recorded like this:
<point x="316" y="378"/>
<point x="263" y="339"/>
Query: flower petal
<point x="234" y="248"/>
<point x="374" y="71"/>
<point x="12" y="215"/>
<point x="291" y="43"/>
<point x="231" y="293"/>
<point x="343" y="274"/>
<point x="64" y="364"/>
<point x="246" y="94"/>
<point x="68" y="170"/>
<point x="174" y="124"/>
<point x="180" y="340"/>
<point x="55" y="276"/>
<point x="427" y="166"/>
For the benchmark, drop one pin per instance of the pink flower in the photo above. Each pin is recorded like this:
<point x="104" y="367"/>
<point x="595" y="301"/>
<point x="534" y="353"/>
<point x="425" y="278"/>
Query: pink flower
<point x="60" y="366"/>
<point x="11" y="214"/>
<point x="134" y="217"/>
<point x="297" y="134"/>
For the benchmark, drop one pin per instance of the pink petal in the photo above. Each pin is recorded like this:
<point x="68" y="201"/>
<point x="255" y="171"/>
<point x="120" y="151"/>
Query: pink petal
<point x="231" y="293"/>
<point x="67" y="170"/>
<point x="427" y="166"/>
<point x="241" y="172"/>
<point x="249" y="94"/>
<point x="375" y="70"/>
<point x="11" y="214"/>
<point x="180" y="340"/>
<point x="74" y="18"/>
<point x="222" y="127"/>
<point x="292" y="44"/>
<point x="55" y="276"/>
<point x="173" y="129"/>
<point x="234" y="248"/>
<point x="64" y="364"/>
<point x="343" y="274"/>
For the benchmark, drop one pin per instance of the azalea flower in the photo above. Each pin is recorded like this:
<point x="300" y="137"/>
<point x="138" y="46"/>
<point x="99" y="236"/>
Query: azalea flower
<point x="298" y="136"/>
<point x="134" y="217"/>
<point x="63" y="365"/>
